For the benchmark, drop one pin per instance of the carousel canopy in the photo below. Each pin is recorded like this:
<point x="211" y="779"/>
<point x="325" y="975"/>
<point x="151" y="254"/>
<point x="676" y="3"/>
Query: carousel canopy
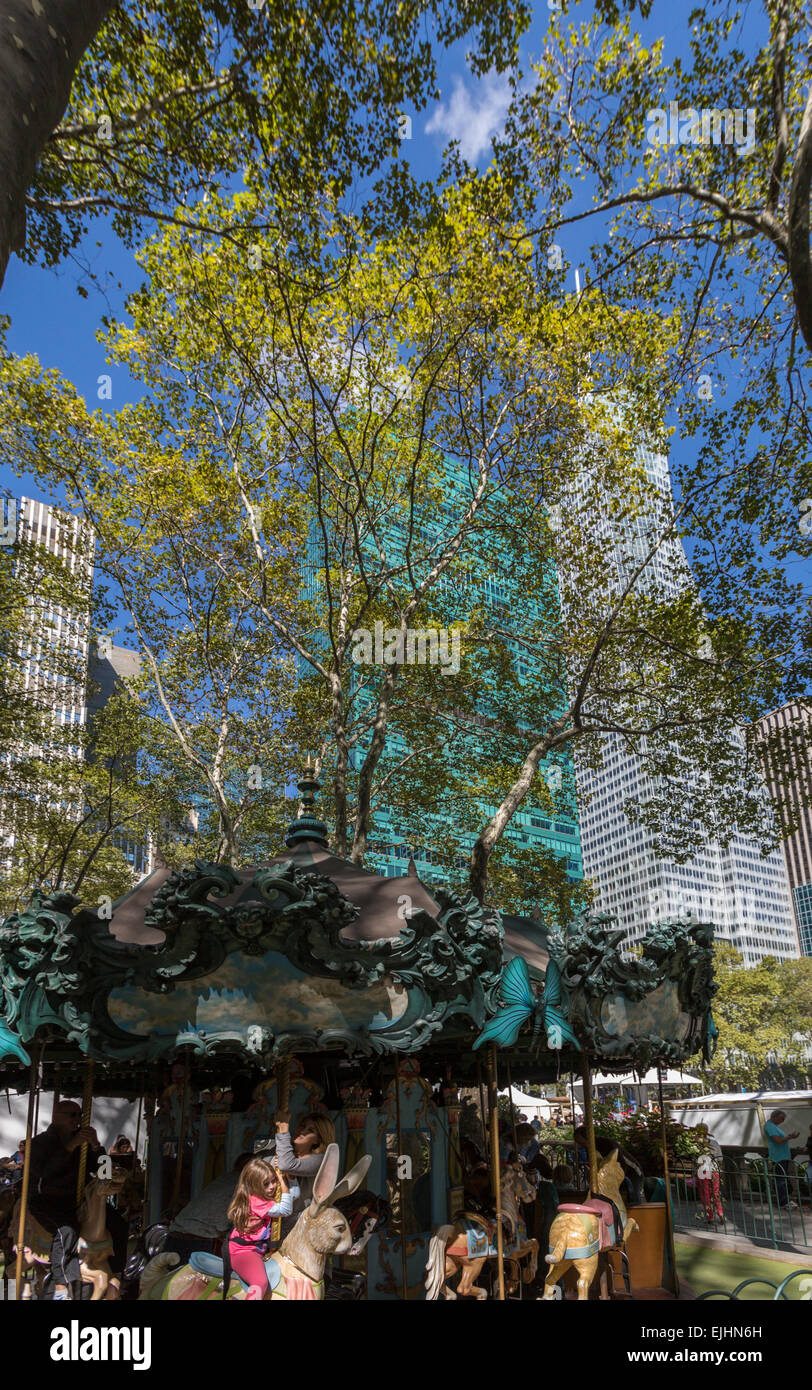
<point x="310" y="953"/>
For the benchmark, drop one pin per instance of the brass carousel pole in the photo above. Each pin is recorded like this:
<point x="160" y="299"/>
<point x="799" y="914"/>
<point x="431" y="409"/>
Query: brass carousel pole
<point x="482" y="1110"/>
<point x="87" y="1104"/>
<point x="149" y="1116"/>
<point x="586" y="1077"/>
<point x="32" y="1091"/>
<point x="403" y="1264"/>
<point x="138" y="1117"/>
<point x="39" y="1093"/>
<point x="669" y="1216"/>
<point x="496" y="1167"/>
<point x="512" y="1113"/>
<point x="173" y="1207"/>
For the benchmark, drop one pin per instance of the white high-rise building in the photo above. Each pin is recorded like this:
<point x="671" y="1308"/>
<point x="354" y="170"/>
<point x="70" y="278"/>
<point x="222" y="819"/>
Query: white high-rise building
<point x="744" y="894"/>
<point x="59" y="637"/>
<point x="57" y="660"/>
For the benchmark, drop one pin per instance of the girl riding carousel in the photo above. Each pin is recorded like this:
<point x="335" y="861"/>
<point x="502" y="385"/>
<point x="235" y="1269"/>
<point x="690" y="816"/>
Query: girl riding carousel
<point x="261" y="1200"/>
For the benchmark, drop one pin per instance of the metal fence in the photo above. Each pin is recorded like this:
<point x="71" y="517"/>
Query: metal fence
<point x="746" y="1197"/>
<point x="765" y="1202"/>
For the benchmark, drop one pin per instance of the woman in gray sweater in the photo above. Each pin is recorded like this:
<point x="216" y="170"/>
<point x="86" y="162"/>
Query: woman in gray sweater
<point x="299" y="1156"/>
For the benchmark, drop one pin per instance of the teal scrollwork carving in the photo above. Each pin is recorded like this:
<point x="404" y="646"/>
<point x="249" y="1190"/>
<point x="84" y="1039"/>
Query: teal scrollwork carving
<point x="58" y="965"/>
<point x="671" y="979"/>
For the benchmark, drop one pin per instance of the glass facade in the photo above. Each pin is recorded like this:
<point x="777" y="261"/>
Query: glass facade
<point x="486" y="583"/>
<point x="803" y="915"/>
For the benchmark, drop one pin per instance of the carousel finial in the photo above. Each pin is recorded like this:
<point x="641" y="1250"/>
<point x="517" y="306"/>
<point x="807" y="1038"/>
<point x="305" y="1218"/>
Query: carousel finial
<point x="307" y="826"/>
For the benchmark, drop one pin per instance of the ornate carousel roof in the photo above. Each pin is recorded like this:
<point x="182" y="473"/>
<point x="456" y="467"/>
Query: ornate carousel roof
<point x="310" y="953"/>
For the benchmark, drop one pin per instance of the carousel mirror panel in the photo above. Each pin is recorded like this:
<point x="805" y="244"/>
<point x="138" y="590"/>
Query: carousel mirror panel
<point x="408" y="1181"/>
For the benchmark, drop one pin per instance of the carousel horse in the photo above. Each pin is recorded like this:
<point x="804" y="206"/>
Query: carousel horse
<point x="463" y="1248"/>
<point x="295" y="1271"/>
<point x="580" y="1232"/>
<point x="94" y="1245"/>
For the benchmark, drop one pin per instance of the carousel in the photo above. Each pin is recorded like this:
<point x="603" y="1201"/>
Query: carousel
<point x="217" y="999"/>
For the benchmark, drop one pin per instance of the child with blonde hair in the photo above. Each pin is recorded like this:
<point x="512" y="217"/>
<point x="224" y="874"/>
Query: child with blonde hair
<point x="261" y="1200"/>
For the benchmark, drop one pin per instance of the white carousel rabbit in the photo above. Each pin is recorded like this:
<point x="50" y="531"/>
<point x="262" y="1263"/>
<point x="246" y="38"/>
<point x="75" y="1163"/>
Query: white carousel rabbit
<point x="321" y="1230"/>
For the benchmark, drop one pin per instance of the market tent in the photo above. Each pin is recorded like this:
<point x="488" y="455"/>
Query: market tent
<point x="531" y="1105"/>
<point x="649" y="1078"/>
<point x="768" y="1099"/>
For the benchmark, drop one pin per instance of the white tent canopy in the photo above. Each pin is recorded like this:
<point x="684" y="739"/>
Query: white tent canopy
<point x="534" y="1107"/>
<point x="670" y="1078"/>
<point x="530" y="1104"/>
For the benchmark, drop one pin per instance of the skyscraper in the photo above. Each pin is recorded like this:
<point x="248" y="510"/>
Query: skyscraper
<point x="108" y="668"/>
<point x="744" y="894"/>
<point x="55" y="656"/>
<point x="486" y="581"/>
<point x="789" y="778"/>
<point x="55" y="659"/>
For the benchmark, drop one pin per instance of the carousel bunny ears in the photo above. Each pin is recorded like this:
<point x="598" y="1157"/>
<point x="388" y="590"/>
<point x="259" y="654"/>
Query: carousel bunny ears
<point x="325" y="1189"/>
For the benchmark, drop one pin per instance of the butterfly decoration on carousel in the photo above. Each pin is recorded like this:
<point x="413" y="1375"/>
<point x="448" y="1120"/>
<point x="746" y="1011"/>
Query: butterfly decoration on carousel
<point x="518" y="1003"/>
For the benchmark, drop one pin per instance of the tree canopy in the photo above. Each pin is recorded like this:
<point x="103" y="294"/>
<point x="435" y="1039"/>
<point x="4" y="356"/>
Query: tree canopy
<point x="136" y="111"/>
<point x="763" y="1016"/>
<point x="411" y="431"/>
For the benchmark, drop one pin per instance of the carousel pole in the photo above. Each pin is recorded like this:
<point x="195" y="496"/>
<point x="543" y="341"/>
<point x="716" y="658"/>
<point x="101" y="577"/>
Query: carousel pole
<point x="512" y="1113"/>
<point x="57" y="1075"/>
<point x="515" y="1141"/>
<point x="669" y="1215"/>
<point x="404" y="1273"/>
<point x="32" y="1093"/>
<point x="576" y="1167"/>
<point x="586" y="1077"/>
<point x="496" y="1167"/>
<point x="173" y="1206"/>
<point x="138" y="1117"/>
<point x="482" y="1111"/>
<point x="87" y="1104"/>
<point x="148" y="1118"/>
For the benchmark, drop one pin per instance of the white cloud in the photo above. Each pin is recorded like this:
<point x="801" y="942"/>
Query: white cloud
<point x="473" y="114"/>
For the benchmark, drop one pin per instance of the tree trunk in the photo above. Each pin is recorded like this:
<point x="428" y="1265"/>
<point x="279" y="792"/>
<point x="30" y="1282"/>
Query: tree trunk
<point x="800" y="260"/>
<point x="41" y="43"/>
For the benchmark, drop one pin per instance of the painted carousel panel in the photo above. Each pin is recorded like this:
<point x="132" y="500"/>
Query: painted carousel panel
<point x="265" y="992"/>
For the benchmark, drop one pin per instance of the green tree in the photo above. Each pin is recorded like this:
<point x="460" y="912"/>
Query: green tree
<point x="686" y="209"/>
<point x="71" y="806"/>
<point x="134" y="110"/>
<point x="764" y="1022"/>
<point x="285" y="471"/>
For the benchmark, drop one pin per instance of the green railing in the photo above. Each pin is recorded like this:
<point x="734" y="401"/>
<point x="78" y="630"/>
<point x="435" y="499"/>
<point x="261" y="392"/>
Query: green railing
<point x="802" y="1292"/>
<point x="745" y="1197"/>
